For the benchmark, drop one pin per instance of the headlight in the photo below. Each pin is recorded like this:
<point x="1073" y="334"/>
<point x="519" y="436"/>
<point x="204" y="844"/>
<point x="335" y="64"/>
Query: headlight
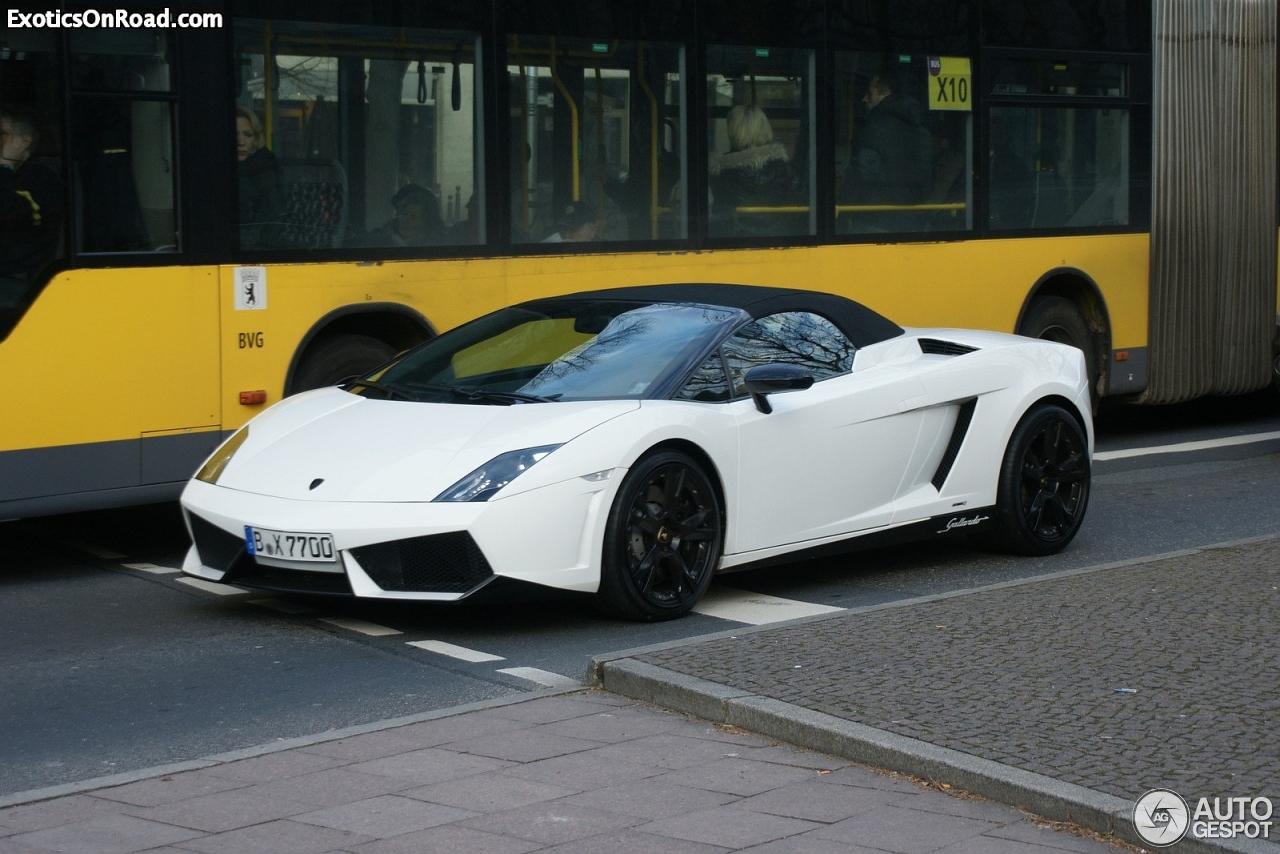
<point x="212" y="470"/>
<point x="482" y="483"/>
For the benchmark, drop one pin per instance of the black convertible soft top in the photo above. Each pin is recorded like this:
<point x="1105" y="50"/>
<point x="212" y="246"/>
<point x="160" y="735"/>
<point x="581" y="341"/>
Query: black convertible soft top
<point x="862" y="325"/>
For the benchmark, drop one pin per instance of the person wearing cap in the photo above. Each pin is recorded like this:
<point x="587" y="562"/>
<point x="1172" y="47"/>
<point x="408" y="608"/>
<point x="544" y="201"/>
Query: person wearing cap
<point x="416" y="221"/>
<point x="577" y="224"/>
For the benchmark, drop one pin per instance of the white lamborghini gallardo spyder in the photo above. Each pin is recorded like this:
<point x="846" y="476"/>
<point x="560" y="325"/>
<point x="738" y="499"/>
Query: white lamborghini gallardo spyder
<point x="632" y="443"/>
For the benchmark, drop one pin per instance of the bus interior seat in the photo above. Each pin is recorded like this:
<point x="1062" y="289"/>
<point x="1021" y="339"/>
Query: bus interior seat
<point x="315" y="203"/>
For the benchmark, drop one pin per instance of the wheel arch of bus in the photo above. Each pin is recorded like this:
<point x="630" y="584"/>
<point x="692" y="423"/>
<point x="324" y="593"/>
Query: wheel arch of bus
<point x="351" y="339"/>
<point x="1044" y="314"/>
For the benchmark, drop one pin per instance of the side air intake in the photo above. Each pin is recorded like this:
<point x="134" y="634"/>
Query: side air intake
<point x="963" y="417"/>
<point x="935" y="347"/>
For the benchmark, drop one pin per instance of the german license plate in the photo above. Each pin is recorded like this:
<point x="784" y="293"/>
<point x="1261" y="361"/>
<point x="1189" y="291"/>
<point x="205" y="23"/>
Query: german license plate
<point x="290" y="545"/>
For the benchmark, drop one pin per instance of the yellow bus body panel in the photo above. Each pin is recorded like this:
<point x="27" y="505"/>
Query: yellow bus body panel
<point x="109" y="354"/>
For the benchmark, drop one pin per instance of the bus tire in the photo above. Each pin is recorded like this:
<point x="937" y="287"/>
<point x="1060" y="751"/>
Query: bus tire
<point x="1058" y="319"/>
<point x="333" y="358"/>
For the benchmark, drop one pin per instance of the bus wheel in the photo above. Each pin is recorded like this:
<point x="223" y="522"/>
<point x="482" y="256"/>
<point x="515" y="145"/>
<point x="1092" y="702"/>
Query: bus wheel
<point x="335" y="357"/>
<point x="1058" y="319"/>
<point x="662" y="540"/>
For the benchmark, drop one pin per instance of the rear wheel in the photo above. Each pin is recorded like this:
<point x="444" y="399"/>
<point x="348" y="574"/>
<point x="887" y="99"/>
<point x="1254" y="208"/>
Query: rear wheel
<point x="662" y="540"/>
<point x="1044" y="484"/>
<point x="336" y="357"/>
<point x="1058" y="319"/>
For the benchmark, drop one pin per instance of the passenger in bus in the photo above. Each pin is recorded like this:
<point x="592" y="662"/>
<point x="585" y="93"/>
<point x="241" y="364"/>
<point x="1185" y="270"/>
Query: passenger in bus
<point x="416" y="221"/>
<point x="893" y="158"/>
<point x="262" y="203"/>
<point x="754" y="173"/>
<point x="31" y="206"/>
<point x="578" y="223"/>
<point x="950" y="183"/>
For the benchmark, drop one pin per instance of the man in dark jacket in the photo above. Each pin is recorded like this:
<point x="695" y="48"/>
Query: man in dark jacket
<point x="893" y="159"/>
<point x="31" y="206"/>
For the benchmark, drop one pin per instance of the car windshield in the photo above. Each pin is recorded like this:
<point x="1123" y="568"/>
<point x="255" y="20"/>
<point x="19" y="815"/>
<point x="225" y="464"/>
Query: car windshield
<point x="557" y="350"/>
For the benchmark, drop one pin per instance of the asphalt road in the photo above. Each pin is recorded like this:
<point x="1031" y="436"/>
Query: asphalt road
<point x="112" y="662"/>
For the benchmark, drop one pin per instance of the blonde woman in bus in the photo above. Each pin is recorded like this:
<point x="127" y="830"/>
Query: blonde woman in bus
<point x="755" y="172"/>
<point x="261" y="191"/>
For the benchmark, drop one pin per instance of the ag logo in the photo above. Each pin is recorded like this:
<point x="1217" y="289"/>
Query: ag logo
<point x="1161" y="817"/>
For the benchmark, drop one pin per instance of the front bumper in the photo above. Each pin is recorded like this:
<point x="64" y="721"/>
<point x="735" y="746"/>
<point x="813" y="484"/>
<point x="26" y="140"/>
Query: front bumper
<point x="425" y="551"/>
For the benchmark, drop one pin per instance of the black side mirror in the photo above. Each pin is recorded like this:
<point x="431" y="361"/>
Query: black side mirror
<point x="769" y="379"/>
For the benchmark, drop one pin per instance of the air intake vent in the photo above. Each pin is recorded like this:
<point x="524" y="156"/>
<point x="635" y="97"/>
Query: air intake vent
<point x="440" y="563"/>
<point x="218" y="549"/>
<point x="934" y="347"/>
<point x="963" y="418"/>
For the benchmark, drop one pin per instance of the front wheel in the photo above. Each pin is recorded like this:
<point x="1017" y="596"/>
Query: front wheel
<point x="1058" y="319"/>
<point x="662" y="541"/>
<point x="1044" y="484"/>
<point x="334" y="358"/>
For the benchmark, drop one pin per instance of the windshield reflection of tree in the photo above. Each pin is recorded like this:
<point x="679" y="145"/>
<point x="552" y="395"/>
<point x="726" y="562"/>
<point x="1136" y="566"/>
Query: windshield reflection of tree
<point x="708" y="382"/>
<point x="793" y="338"/>
<point x="632" y="351"/>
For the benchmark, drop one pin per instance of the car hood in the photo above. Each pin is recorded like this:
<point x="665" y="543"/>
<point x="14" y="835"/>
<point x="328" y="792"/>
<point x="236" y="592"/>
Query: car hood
<point x="383" y="450"/>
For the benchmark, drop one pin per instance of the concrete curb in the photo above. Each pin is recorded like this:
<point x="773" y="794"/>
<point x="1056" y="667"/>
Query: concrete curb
<point x="1005" y="784"/>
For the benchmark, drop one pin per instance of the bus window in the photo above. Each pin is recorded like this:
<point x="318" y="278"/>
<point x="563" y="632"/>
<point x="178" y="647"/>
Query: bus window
<point x="596" y="152"/>
<point x="369" y="137"/>
<point x="30" y="238"/>
<point x="904" y="143"/>
<point x="1059" y="165"/>
<point x="123" y="156"/>
<point x="760" y="161"/>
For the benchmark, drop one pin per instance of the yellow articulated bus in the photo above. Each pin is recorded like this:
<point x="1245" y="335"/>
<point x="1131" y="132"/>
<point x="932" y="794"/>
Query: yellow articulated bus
<point x="204" y="212"/>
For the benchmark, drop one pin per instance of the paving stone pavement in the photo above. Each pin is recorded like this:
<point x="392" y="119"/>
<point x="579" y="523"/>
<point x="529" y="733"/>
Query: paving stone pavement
<point x="1119" y="680"/>
<point x="1154" y="675"/>
<point x="1012" y="692"/>
<point x="573" y="772"/>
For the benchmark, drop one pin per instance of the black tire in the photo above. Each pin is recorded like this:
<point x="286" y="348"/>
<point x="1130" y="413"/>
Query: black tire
<point x="662" y="540"/>
<point x="1044" y="484"/>
<point x="333" y="358"/>
<point x="1058" y="319"/>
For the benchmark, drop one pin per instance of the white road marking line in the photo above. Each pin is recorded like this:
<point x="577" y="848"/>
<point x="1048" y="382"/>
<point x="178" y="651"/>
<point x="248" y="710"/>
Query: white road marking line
<point x="362" y="626"/>
<point x="96" y="551"/>
<point x="1183" y="447"/>
<point x="151" y="568"/>
<point x="542" y="677"/>
<point x="459" y="652"/>
<point x="212" y="587"/>
<point x="756" y="609"/>
<point x="282" y="606"/>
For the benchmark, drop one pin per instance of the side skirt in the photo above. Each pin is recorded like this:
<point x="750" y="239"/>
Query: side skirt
<point x="953" y="525"/>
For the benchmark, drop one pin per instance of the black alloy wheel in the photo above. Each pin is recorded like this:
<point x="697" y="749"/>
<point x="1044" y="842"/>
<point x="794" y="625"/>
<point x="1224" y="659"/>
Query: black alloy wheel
<point x="1044" y="483"/>
<point x="663" y="540"/>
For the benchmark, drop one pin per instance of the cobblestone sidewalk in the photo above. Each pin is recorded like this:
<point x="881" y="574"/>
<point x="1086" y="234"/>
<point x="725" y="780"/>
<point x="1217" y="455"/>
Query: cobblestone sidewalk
<point x="1160" y="674"/>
